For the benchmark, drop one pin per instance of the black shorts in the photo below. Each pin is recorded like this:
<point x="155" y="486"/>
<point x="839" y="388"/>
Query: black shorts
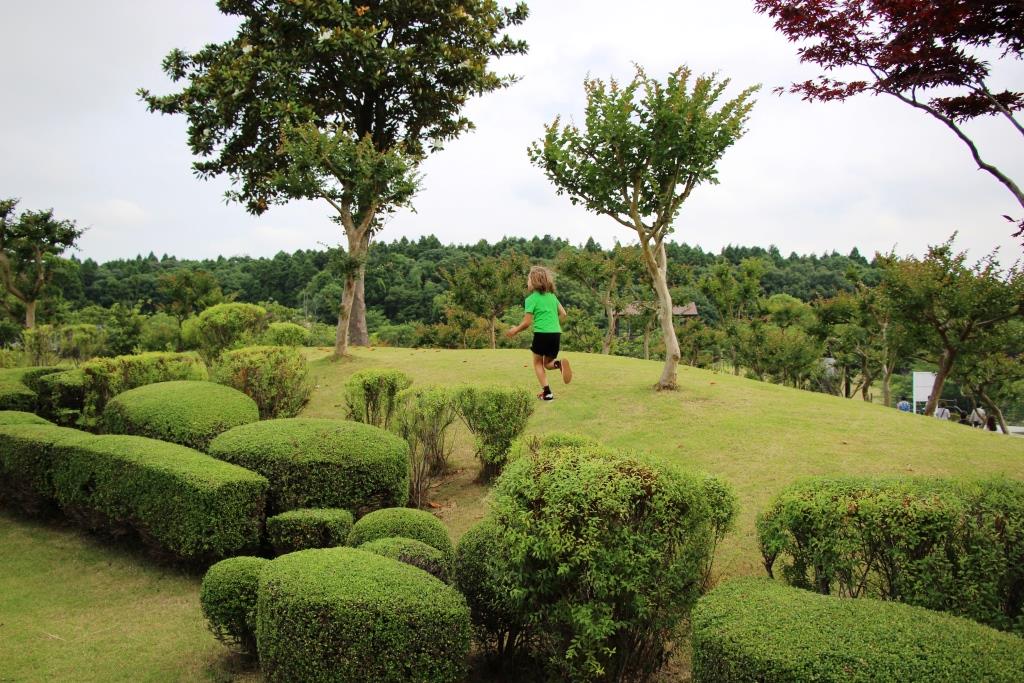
<point x="546" y="344"/>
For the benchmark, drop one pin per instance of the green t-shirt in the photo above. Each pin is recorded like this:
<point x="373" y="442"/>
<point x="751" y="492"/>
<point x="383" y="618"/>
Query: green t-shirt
<point x="545" y="311"/>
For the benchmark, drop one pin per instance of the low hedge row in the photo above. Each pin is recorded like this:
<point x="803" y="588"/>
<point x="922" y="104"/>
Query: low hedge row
<point x="342" y="614"/>
<point x="180" y="502"/>
<point x="188" y="413"/>
<point x="19" y="386"/>
<point x="108" y="377"/>
<point x="418" y="525"/>
<point x="952" y="546"/>
<point x="318" y="463"/>
<point x="19" y="417"/>
<point x="296" y="530"/>
<point x="62" y="396"/>
<point x="760" y="630"/>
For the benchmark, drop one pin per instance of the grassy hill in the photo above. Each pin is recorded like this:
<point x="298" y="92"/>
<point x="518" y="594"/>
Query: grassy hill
<point x="77" y="609"/>
<point x="757" y="436"/>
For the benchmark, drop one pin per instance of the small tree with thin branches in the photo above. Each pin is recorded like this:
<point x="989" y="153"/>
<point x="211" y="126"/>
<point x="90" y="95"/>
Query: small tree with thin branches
<point x="643" y="150"/>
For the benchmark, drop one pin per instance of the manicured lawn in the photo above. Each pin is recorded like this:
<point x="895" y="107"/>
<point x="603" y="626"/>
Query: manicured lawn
<point x="74" y="608"/>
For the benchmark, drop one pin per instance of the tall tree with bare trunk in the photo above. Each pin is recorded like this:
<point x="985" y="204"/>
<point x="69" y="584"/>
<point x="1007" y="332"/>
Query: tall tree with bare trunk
<point x="644" y="148"/>
<point x="385" y="80"/>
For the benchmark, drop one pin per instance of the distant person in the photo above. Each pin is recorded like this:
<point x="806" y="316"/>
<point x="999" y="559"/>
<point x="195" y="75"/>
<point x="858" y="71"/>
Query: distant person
<point x="544" y="314"/>
<point x="904" y="405"/>
<point x="978" y="417"/>
<point x="942" y="413"/>
<point x="991" y="423"/>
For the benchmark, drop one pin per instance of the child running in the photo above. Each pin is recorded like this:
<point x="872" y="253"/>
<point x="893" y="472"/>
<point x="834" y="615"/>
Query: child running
<point x="544" y="314"/>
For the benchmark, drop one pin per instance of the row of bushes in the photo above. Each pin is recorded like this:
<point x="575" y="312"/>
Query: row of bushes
<point x="496" y="416"/>
<point x="946" y="545"/>
<point x="276" y="377"/>
<point x="179" y="502"/>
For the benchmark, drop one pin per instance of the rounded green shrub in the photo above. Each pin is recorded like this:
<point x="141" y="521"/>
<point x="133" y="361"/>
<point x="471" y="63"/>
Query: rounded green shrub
<point x="371" y="396"/>
<point x="947" y="545"/>
<point x="761" y="630"/>
<point x="606" y="552"/>
<point x="418" y="525"/>
<point x="416" y="553"/>
<point x="308" y="528"/>
<point x="108" y="377"/>
<point x="344" y="615"/>
<point x="285" y="334"/>
<point x="14" y="393"/>
<point x="276" y="377"/>
<point x="500" y="627"/>
<point x="20" y="417"/>
<point x="186" y="413"/>
<point x="226" y="326"/>
<point x="315" y="463"/>
<point x="228" y="598"/>
<point x="496" y="416"/>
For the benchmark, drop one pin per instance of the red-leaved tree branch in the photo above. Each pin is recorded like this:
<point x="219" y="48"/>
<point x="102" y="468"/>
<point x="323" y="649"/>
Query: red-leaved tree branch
<point x="923" y="52"/>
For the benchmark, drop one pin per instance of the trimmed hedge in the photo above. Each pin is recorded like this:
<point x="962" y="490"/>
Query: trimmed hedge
<point x="761" y="630"/>
<point x="496" y="416"/>
<point x="416" y="553"/>
<point x="188" y="413"/>
<point x="951" y="546"/>
<point x="309" y="528"/>
<point x="19" y="417"/>
<point x="62" y="396"/>
<point x="317" y="463"/>
<point x="344" y="615"/>
<point x="286" y="334"/>
<point x="178" y="500"/>
<point x="418" y="525"/>
<point x="27" y="464"/>
<point x="276" y="377"/>
<point x="107" y="377"/>
<point x="16" y="387"/>
<point x="228" y="598"/>
<point x="229" y="325"/>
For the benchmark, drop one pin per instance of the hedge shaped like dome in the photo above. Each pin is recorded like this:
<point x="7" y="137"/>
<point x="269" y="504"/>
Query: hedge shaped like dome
<point x="228" y="598"/>
<point x="20" y="417"/>
<point x="418" y="525"/>
<point x="762" y="630"/>
<point x="341" y="614"/>
<point x="319" y="463"/>
<point x="182" y="412"/>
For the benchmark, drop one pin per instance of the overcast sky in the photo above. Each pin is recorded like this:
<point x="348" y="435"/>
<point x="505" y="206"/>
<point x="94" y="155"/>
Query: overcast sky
<point x="870" y="173"/>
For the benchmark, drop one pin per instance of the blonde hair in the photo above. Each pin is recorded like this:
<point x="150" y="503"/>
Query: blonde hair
<point x="541" y="280"/>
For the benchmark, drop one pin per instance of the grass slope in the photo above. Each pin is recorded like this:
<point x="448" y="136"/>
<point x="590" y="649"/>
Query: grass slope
<point x="72" y="608"/>
<point x="758" y="436"/>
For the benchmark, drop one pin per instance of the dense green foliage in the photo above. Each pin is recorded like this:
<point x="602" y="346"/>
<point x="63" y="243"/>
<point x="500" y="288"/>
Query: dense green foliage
<point x="371" y="396"/>
<point x="14" y="393"/>
<point x="424" y="420"/>
<point x="188" y="413"/>
<point x="276" y="377"/>
<point x="62" y="396"/>
<point x="18" y="417"/>
<point x="227" y="326"/>
<point x="945" y="545"/>
<point x="759" y="630"/>
<point x="496" y="416"/>
<point x="228" y="599"/>
<point x="321" y="463"/>
<point x="418" y="525"/>
<point x="285" y="334"/>
<point x="347" y="615"/>
<point x="417" y="553"/>
<point x="179" y="502"/>
<point x="108" y="377"/>
<point x="605" y="554"/>
<point x="308" y="528"/>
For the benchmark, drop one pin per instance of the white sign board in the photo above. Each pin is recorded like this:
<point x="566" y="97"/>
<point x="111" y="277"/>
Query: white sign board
<point x="923" y="384"/>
